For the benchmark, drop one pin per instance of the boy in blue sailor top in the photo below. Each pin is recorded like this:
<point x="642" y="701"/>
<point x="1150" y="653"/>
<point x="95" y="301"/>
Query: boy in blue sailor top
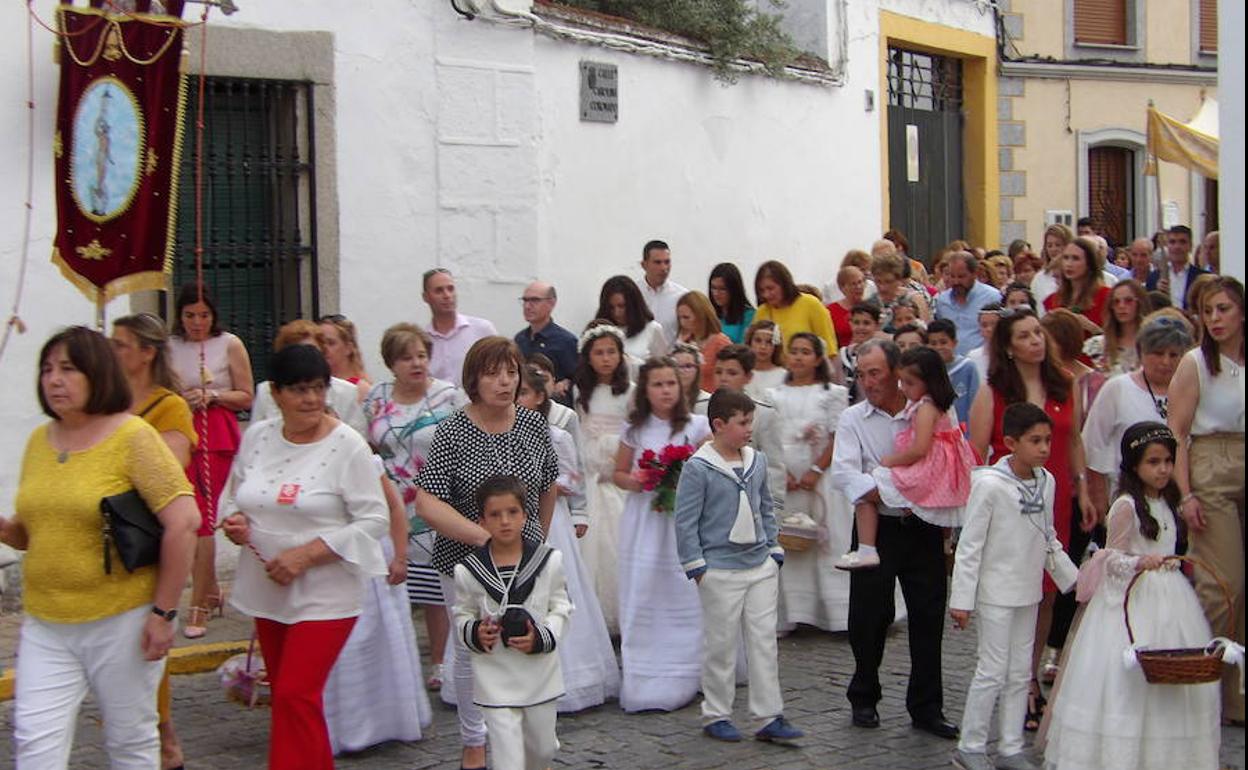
<point x="511" y="605"/>
<point x="1007" y="544"/>
<point x="726" y="539"/>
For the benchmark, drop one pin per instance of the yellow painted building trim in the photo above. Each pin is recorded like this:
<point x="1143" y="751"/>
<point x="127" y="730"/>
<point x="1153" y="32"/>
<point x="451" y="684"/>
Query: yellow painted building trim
<point x="980" y="178"/>
<point x="193" y="659"/>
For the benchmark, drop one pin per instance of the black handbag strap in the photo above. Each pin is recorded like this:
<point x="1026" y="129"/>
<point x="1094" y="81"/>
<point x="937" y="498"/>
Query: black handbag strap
<point x="152" y="405"/>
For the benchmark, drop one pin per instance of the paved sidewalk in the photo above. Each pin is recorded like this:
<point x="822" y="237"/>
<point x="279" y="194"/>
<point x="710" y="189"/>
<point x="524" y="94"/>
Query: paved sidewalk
<point x="814" y="667"/>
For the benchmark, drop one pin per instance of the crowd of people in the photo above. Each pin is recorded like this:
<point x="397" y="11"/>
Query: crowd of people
<point x="1026" y="414"/>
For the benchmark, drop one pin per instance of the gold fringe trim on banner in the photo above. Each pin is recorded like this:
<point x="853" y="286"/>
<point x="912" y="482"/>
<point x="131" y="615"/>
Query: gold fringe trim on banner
<point x="144" y="281"/>
<point x="175" y="175"/>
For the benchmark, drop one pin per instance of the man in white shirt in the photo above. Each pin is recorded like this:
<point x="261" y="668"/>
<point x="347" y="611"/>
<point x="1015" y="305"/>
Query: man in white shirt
<point x="660" y="293"/>
<point x="452" y="332"/>
<point x="1177" y="274"/>
<point x="910" y="550"/>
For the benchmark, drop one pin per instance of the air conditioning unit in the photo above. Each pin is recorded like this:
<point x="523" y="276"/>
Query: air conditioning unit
<point x="1059" y="217"/>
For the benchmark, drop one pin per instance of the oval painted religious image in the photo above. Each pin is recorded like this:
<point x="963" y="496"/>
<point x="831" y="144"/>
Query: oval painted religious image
<point x="107" y="149"/>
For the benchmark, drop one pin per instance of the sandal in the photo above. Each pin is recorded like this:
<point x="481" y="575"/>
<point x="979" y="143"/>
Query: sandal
<point x="197" y="622"/>
<point x="1036" y="703"/>
<point x="434" y="682"/>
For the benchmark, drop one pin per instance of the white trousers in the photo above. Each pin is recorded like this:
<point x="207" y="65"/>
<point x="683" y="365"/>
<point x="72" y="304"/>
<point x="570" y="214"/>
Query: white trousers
<point x="1006" y="635"/>
<point x="738" y="603"/>
<point x="472" y="726"/>
<point x="59" y="663"/>
<point x="522" y="738"/>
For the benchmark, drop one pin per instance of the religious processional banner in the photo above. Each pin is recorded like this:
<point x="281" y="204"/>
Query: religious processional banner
<point x="117" y="148"/>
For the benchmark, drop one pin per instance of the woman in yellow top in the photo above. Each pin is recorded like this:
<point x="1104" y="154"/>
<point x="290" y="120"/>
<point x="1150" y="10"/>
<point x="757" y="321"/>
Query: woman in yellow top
<point x="793" y="311"/>
<point x="88" y="629"/>
<point x="141" y="343"/>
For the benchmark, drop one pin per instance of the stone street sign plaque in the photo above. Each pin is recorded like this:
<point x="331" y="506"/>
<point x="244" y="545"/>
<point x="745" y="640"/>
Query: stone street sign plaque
<point x="600" y="96"/>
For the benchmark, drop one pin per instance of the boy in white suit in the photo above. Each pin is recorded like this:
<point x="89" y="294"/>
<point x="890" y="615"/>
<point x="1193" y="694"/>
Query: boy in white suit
<point x="1007" y="544"/>
<point x="511" y="605"/>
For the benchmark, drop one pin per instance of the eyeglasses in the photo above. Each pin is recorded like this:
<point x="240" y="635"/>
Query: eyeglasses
<point x="534" y="300"/>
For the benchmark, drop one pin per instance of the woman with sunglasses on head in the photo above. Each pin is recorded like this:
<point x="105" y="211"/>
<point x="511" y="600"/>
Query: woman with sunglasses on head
<point x="141" y="343"/>
<point x="342" y="351"/>
<point x="215" y="372"/>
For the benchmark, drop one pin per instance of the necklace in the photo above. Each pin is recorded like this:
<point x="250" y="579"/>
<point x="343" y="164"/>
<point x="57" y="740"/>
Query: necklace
<point x="1160" y="404"/>
<point x="62" y="456"/>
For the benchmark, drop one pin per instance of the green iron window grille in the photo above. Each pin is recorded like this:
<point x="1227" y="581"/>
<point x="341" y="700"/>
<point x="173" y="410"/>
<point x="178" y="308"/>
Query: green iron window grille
<point x="259" y="224"/>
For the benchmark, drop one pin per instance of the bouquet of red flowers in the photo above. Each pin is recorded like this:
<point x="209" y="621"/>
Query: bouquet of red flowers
<point x="659" y="472"/>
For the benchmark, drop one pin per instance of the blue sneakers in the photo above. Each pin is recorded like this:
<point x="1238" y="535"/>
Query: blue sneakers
<point x="723" y="730"/>
<point x="778" y="730"/>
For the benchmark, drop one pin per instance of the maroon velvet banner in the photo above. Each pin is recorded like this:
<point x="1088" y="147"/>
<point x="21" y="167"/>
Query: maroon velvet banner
<point x="117" y="148"/>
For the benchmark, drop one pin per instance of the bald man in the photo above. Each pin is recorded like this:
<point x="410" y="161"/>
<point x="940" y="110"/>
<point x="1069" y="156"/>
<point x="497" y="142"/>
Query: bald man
<point x="543" y="335"/>
<point x="1141" y="251"/>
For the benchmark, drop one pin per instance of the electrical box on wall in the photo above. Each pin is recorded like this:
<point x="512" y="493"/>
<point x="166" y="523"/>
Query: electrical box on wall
<point x="1059" y="217"/>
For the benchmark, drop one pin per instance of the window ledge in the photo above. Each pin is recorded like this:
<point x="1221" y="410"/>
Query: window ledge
<point x="1108" y="46"/>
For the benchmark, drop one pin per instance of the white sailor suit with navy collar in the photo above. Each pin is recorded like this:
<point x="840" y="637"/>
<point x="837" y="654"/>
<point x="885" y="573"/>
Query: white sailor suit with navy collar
<point x="516" y="691"/>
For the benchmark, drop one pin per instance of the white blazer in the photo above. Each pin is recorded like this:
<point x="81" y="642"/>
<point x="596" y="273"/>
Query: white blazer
<point x="1008" y="541"/>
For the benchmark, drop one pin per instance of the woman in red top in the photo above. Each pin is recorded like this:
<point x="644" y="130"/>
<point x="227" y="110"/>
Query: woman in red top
<point x="853" y="284"/>
<point x="1024" y="368"/>
<point x="1081" y="288"/>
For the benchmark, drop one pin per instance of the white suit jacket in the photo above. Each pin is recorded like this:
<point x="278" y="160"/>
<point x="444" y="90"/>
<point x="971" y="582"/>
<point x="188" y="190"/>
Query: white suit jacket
<point x="1003" y="552"/>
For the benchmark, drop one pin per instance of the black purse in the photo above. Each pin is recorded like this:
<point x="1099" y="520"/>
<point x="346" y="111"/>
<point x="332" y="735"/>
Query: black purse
<point x="132" y="527"/>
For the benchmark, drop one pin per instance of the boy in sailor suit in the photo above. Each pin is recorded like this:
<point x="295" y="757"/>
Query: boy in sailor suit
<point x="1007" y="544"/>
<point x="511" y="605"/>
<point x="726" y="539"/>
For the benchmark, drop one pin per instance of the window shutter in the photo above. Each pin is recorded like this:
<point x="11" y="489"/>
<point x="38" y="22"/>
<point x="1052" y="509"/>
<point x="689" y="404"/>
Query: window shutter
<point x="1101" y="21"/>
<point x="1209" y="25"/>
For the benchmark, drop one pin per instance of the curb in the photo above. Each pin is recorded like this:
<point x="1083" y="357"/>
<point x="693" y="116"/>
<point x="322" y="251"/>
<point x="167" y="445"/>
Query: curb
<point x="192" y="659"/>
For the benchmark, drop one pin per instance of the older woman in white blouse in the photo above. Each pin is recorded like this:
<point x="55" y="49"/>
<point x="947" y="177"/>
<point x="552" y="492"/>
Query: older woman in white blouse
<point x="303" y="500"/>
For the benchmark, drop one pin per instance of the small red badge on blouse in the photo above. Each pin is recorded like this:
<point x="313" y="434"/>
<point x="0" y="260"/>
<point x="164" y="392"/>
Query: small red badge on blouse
<point x="287" y="494"/>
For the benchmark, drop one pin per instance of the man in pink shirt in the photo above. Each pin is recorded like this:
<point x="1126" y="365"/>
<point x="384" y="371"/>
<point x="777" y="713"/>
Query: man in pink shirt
<point x="452" y="332"/>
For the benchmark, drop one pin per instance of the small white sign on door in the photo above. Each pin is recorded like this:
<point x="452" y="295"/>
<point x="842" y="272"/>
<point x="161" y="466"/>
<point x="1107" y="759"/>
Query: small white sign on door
<point x="912" y="152"/>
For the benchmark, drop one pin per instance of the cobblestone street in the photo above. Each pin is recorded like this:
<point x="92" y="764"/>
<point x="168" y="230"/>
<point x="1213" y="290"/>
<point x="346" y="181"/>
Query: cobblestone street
<point x="814" y="667"/>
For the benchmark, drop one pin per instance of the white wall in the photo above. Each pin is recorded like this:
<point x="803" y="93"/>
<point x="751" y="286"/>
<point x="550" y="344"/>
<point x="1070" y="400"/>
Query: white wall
<point x="1231" y="134"/>
<point x="459" y="144"/>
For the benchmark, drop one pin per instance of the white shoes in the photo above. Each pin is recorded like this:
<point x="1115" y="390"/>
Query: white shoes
<point x="858" y="560"/>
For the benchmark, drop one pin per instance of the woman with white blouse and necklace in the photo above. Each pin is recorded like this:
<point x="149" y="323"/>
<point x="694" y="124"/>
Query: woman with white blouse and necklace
<point x="1207" y="407"/>
<point x="1126" y="400"/>
<point x="303" y="500"/>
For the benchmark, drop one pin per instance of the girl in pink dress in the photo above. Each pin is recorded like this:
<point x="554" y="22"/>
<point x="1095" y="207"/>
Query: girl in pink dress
<point x="929" y="471"/>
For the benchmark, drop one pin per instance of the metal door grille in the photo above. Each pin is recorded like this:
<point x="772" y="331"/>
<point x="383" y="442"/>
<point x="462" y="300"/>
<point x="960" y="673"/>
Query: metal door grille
<point x="259" y="227"/>
<point x="920" y="81"/>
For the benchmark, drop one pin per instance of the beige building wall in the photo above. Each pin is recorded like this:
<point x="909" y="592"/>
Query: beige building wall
<point x="1050" y="114"/>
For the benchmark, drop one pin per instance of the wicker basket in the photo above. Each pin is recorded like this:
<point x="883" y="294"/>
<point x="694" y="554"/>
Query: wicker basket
<point x="796" y="539"/>
<point x="1191" y="665"/>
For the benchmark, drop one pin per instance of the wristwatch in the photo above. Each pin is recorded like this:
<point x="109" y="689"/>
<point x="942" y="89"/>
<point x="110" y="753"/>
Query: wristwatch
<point x="168" y="615"/>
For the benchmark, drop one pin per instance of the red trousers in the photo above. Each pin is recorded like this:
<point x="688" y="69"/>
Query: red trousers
<point x="298" y="658"/>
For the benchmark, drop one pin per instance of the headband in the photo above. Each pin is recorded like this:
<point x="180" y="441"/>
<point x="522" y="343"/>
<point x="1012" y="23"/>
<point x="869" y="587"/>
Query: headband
<point x="601" y="330"/>
<point x="1155" y="434"/>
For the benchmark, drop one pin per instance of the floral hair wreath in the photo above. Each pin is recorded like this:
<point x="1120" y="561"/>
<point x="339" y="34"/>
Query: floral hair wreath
<point x="602" y="330"/>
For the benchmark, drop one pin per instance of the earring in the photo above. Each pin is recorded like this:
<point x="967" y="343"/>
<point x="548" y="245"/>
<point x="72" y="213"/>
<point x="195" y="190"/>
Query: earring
<point x="1010" y="355"/>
